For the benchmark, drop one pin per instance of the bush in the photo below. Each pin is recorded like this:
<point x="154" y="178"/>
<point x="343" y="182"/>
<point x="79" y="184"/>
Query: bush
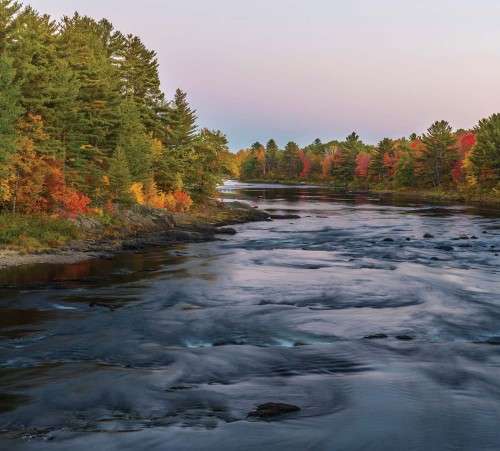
<point x="35" y="232"/>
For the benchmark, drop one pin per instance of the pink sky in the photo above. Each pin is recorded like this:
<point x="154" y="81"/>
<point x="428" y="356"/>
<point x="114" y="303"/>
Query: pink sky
<point x="297" y="69"/>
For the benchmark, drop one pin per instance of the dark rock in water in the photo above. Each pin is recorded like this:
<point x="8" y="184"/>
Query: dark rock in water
<point x="226" y="231"/>
<point x="388" y="240"/>
<point x="408" y="238"/>
<point x="284" y="216"/>
<point x="444" y="247"/>
<point x="474" y="237"/>
<point x="404" y="337"/>
<point x="228" y="343"/>
<point x="375" y="336"/>
<point x="273" y="409"/>
<point x="428" y="236"/>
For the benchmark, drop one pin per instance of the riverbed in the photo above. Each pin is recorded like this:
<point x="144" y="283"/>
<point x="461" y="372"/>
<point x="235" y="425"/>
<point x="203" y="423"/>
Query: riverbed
<point x="379" y="320"/>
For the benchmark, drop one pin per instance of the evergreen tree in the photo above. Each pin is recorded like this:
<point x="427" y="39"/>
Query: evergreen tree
<point x="119" y="177"/>
<point x="10" y="110"/>
<point x="135" y="142"/>
<point x="88" y="47"/>
<point x="272" y="155"/>
<point x="485" y="155"/>
<point x="377" y="170"/>
<point x="181" y="122"/>
<point x="48" y="88"/>
<point x="291" y="160"/>
<point x="9" y="10"/>
<point x="140" y="81"/>
<point x="439" y="155"/>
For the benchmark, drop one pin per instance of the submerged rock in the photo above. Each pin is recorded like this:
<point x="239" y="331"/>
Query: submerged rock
<point x="444" y="247"/>
<point x="284" y="216"/>
<point x="273" y="409"/>
<point x="226" y="231"/>
<point x="404" y="337"/>
<point x="375" y="337"/>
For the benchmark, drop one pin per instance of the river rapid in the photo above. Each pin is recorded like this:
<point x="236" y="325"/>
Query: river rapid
<point x="384" y="339"/>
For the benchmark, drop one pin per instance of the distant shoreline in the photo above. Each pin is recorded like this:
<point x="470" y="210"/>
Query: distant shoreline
<point x="433" y="196"/>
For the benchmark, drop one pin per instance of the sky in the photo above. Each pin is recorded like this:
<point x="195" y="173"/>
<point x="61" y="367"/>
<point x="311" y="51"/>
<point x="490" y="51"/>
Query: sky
<point x="305" y="69"/>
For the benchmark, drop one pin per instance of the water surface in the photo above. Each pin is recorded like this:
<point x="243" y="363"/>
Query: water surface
<point x="384" y="339"/>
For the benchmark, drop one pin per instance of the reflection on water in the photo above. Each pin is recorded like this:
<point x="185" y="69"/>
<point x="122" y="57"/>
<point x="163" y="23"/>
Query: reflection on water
<point x="386" y="340"/>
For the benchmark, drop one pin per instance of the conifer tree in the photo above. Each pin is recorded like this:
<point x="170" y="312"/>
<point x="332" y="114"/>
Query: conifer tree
<point x="10" y="110"/>
<point x="181" y="122"/>
<point x="439" y="155"/>
<point x="135" y="142"/>
<point x="485" y="155"/>
<point x="119" y="177"/>
<point x="272" y="155"/>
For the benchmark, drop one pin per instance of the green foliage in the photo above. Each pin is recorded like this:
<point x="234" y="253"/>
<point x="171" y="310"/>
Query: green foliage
<point x="135" y="142"/>
<point x="439" y="155"/>
<point x="181" y="123"/>
<point x="81" y="104"/>
<point x="486" y="154"/>
<point x="10" y="109"/>
<point x="405" y="171"/>
<point x="35" y="232"/>
<point x="120" y="179"/>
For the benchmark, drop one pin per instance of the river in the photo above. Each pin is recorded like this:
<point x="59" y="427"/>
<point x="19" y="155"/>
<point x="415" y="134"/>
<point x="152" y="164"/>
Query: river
<point x="384" y="339"/>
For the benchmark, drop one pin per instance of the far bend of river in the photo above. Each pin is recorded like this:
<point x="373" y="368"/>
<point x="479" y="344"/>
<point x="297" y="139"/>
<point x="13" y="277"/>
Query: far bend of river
<point x="170" y="349"/>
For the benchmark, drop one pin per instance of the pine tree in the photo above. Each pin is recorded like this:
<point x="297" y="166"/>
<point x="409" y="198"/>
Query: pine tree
<point x="89" y="47"/>
<point x="485" y="155"/>
<point x="10" y="110"/>
<point x="140" y="81"/>
<point x="48" y="88"/>
<point x="181" y="122"/>
<point x="119" y="177"/>
<point x="439" y="154"/>
<point x="135" y="142"/>
<point x="9" y="10"/>
<point x="272" y="155"/>
<point x="291" y="160"/>
<point x="377" y="170"/>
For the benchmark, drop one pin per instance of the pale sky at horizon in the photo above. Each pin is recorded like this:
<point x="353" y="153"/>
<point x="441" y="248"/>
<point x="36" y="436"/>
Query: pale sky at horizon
<point x="301" y="69"/>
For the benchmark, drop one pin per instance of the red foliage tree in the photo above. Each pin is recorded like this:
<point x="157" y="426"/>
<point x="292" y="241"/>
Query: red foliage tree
<point x="390" y="163"/>
<point x="306" y="164"/>
<point x="362" y="164"/>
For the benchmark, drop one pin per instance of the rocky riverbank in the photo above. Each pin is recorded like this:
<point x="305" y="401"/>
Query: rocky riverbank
<point x="140" y="228"/>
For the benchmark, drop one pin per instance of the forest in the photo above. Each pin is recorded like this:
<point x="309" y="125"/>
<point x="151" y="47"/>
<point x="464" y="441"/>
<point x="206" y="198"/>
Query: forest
<point x="440" y="160"/>
<point x="85" y="127"/>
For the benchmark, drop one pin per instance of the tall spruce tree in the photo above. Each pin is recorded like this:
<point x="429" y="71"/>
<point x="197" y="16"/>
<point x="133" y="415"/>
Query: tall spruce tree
<point x="135" y="142"/>
<point x="440" y="154"/>
<point x="485" y="155"/>
<point x="10" y="110"/>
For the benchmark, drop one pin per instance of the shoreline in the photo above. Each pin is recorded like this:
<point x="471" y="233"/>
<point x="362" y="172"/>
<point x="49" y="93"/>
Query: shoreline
<point x="156" y="229"/>
<point x="416" y="195"/>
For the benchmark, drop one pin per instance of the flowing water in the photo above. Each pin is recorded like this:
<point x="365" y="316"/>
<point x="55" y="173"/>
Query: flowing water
<point x="386" y="340"/>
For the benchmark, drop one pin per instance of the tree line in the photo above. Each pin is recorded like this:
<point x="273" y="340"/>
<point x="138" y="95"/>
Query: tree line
<point x="441" y="158"/>
<point x="85" y="125"/>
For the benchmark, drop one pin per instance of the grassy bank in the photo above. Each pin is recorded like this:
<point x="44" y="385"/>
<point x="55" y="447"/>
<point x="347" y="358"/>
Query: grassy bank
<point x="27" y="234"/>
<point x="35" y="233"/>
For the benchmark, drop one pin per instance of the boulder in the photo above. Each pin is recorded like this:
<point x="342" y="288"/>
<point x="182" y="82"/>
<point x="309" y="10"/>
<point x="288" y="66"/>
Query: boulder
<point x="273" y="409"/>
